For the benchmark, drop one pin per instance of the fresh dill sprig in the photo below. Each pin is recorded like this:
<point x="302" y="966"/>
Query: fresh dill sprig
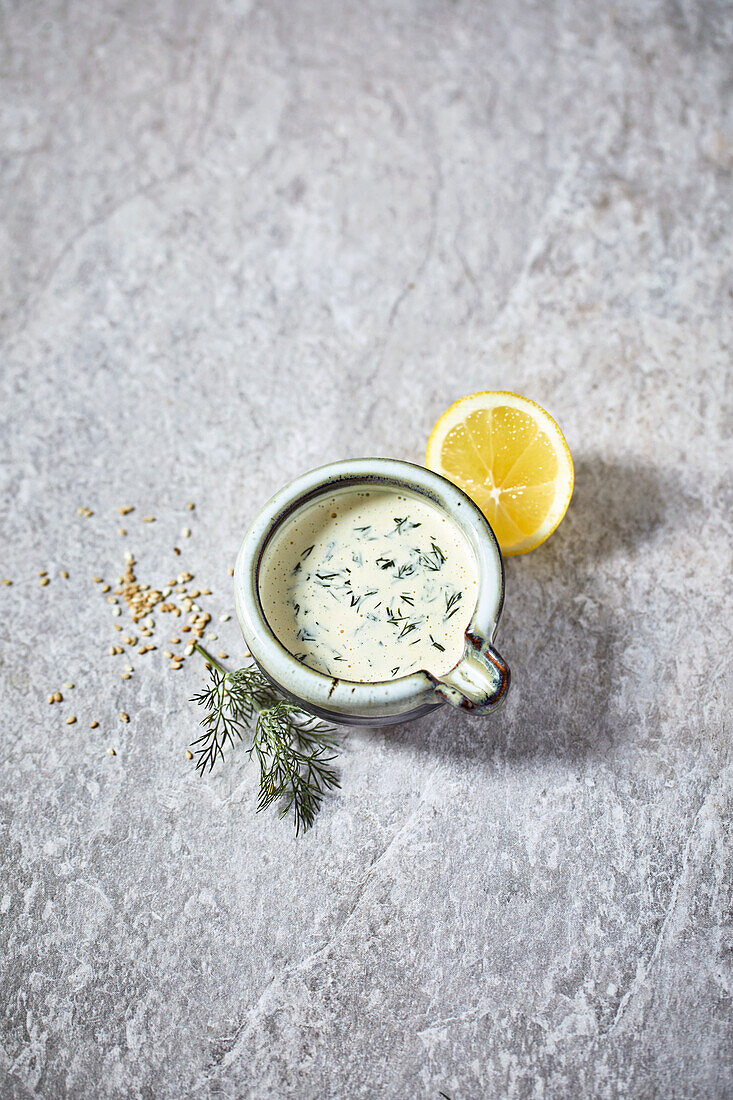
<point x="294" y="749"/>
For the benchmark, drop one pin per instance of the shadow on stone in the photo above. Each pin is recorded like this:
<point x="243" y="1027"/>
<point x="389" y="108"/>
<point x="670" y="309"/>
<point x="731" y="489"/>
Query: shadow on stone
<point x="564" y="644"/>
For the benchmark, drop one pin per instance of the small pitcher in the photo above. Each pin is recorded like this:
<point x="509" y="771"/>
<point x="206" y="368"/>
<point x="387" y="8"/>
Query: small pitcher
<point x="476" y="685"/>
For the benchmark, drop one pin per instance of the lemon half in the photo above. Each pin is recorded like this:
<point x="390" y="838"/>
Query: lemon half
<point x="511" y="458"/>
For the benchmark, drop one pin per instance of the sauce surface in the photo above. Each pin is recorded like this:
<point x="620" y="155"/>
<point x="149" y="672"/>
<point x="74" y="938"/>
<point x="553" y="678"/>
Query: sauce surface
<point x="370" y="585"/>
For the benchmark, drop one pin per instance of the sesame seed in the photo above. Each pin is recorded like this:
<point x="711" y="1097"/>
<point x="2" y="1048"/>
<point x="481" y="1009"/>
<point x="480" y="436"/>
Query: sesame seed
<point x="112" y="650"/>
<point x="112" y="599"/>
<point x="121" y="531"/>
<point x="41" y="572"/>
<point x="211" y="637"/>
<point x="116" y="627"/>
<point x="70" y="720"/>
<point x="86" y="512"/>
<point x="93" y="725"/>
<point x="64" y="574"/>
<point x="111" y="752"/>
<point x="124" y="717"/>
<point x="44" y="582"/>
<point x="129" y="556"/>
<point x="129" y="668"/>
<point x="190" y="506"/>
<point x="6" y="582"/>
<point x="176" y="551"/>
<point x="205" y="591"/>
<point x="97" y="580"/>
<point x="125" y="511"/>
<point x="104" y="588"/>
<point x="246" y="653"/>
<point x="224" y="618"/>
<point x="223" y="656"/>
<point x="125" y="676"/>
<point x="148" y="519"/>
<point x="175" y="641"/>
<point x="116" y="611"/>
<point x="58" y="697"/>
<point x="51" y="699"/>
<point x="68" y="685"/>
<point x="189" y="754"/>
<point x="186" y="533"/>
<point x="185" y="629"/>
<point x="231" y="572"/>
<point x="188" y="650"/>
<point x="174" y="666"/>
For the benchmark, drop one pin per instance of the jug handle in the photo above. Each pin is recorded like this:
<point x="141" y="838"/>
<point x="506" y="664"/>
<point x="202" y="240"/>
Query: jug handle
<point x="480" y="680"/>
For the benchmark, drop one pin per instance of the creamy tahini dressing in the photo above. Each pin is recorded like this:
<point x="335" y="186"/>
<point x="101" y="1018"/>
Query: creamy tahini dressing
<point x="370" y="585"/>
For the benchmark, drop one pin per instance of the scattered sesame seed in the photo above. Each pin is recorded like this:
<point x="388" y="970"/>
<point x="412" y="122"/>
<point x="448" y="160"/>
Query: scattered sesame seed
<point x="176" y="551"/>
<point x="41" y="572"/>
<point x="223" y="656"/>
<point x="6" y="582"/>
<point x="104" y="588"/>
<point x="86" y="512"/>
<point x="125" y="676"/>
<point x="52" y="699"/>
<point x="112" y="650"/>
<point x="246" y="653"/>
<point x="70" y="720"/>
<point x="97" y="580"/>
<point x="167" y="653"/>
<point x="44" y="582"/>
<point x="125" y="511"/>
<point x="58" y="697"/>
<point x="111" y="752"/>
<point x="148" y="519"/>
<point x="129" y="557"/>
<point x="116" y="611"/>
<point x="121" y="531"/>
<point x="93" y="725"/>
<point x="116" y="627"/>
<point x="224" y="618"/>
<point x="112" y="599"/>
<point x="129" y="668"/>
<point x="68" y="685"/>
<point x="175" y="641"/>
<point x="211" y="637"/>
<point x="189" y="754"/>
<point x="166" y="592"/>
<point x="185" y="629"/>
<point x="205" y="591"/>
<point x="231" y="572"/>
<point x="124" y="717"/>
<point x="64" y="574"/>
<point x="186" y="533"/>
<point x="188" y="650"/>
<point x="190" y="506"/>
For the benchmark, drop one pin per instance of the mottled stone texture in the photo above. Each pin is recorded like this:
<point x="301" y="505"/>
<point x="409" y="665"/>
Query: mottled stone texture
<point x="243" y="239"/>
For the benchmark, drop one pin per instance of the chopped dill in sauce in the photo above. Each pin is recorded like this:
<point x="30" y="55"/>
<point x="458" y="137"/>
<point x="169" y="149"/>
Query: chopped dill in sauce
<point x="358" y="578"/>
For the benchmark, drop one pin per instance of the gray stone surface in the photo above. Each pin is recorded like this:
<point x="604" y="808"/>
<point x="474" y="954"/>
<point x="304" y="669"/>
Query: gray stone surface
<point x="240" y="240"/>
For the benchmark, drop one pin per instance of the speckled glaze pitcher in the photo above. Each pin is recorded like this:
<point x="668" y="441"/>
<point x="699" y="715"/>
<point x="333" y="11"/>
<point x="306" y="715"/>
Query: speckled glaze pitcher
<point x="476" y="685"/>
